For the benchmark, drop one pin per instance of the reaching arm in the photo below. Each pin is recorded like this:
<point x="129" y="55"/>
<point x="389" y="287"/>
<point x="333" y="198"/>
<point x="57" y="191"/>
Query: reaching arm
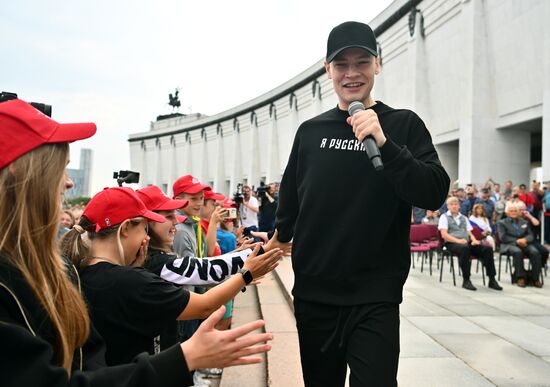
<point x="202" y="305"/>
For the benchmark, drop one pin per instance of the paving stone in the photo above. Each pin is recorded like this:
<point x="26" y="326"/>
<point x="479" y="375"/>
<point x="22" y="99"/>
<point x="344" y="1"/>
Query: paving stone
<point x="543" y="321"/>
<point x="521" y="332"/>
<point x="438" y="372"/>
<point x="477" y="309"/>
<point x="415" y="343"/>
<point x="417" y="306"/>
<point x="501" y="362"/>
<point x="513" y="305"/>
<point x="445" y="324"/>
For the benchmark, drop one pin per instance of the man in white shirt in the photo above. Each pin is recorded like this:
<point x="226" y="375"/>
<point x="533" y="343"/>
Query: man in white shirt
<point x="456" y="230"/>
<point x="249" y="209"/>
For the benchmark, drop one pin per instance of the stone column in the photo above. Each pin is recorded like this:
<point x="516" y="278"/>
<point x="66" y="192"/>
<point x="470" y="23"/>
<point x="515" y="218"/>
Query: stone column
<point x="219" y="173"/>
<point x="273" y="169"/>
<point x="254" y="163"/>
<point x="509" y="149"/>
<point x="237" y="170"/>
<point x="204" y="155"/>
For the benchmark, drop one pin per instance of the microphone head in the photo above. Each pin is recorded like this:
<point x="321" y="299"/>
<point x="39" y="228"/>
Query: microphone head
<point x="355" y="106"/>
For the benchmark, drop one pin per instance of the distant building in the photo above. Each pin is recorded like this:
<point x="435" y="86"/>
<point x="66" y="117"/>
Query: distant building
<point x="81" y="176"/>
<point x="476" y="71"/>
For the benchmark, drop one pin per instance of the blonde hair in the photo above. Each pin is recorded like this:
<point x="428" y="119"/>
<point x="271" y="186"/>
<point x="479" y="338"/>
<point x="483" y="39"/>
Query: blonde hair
<point x="30" y="204"/>
<point x="452" y="199"/>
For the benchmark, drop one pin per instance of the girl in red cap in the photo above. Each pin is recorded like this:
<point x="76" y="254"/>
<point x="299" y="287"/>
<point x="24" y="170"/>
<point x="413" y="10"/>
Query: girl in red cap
<point x="129" y="305"/>
<point x="45" y="330"/>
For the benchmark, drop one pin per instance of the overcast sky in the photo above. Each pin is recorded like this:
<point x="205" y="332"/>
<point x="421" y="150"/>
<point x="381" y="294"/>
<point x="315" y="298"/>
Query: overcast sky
<point x="115" y="62"/>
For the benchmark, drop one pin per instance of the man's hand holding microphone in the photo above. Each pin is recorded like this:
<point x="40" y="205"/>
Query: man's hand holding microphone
<point x="367" y="130"/>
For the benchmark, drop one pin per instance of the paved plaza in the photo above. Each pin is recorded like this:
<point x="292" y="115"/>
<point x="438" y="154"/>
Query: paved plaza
<point x="449" y="336"/>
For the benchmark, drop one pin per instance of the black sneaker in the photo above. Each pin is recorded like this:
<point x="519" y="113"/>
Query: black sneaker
<point x="493" y="284"/>
<point x="467" y="284"/>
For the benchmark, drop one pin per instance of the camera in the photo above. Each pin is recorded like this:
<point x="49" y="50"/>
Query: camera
<point x="261" y="190"/>
<point x="42" y="107"/>
<point x="238" y="195"/>
<point x="127" y="177"/>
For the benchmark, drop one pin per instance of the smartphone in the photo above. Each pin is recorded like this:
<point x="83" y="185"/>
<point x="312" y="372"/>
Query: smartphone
<point x="231" y="213"/>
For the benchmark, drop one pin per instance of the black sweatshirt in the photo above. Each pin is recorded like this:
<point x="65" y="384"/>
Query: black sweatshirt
<point x="350" y="224"/>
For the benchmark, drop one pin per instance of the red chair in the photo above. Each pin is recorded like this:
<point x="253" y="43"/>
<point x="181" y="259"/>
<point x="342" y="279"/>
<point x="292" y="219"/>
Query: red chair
<point x="418" y="237"/>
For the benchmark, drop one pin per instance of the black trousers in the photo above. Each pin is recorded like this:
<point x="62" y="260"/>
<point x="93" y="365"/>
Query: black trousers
<point x="530" y="252"/>
<point x="365" y="337"/>
<point x="483" y="253"/>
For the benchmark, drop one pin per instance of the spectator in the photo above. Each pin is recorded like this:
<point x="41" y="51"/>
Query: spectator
<point x="418" y="214"/>
<point x="190" y="240"/>
<point x="517" y="238"/>
<point x="534" y="223"/>
<point x="432" y="217"/>
<point x="479" y="219"/>
<point x="268" y="208"/>
<point x="524" y="196"/>
<point x="116" y="224"/>
<point x="456" y="230"/>
<point x="67" y="219"/>
<point x="495" y="194"/>
<point x="546" y="203"/>
<point x="467" y="204"/>
<point x="508" y="189"/>
<point x="226" y="238"/>
<point x="249" y="210"/>
<point x="488" y="207"/>
<point x="211" y="214"/>
<point x="45" y="331"/>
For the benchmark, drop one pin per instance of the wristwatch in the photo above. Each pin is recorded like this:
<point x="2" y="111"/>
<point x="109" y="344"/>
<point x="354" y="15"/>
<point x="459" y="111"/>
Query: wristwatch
<point x="247" y="275"/>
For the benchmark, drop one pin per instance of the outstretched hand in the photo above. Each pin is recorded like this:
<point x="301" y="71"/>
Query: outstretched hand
<point x="260" y="265"/>
<point x="211" y="348"/>
<point x="274" y="243"/>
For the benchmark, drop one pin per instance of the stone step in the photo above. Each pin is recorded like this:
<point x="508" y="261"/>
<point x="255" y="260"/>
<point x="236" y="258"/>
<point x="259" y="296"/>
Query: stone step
<point x="246" y="308"/>
<point x="271" y="301"/>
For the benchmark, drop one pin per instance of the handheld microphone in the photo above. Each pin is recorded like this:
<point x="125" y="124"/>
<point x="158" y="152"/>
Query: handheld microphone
<point x="370" y="145"/>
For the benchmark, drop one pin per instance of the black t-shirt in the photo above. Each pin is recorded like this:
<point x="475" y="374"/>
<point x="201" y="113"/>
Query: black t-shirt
<point x="130" y="307"/>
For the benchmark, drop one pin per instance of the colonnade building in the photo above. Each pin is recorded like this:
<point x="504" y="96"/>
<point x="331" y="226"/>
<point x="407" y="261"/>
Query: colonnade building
<point x="476" y="71"/>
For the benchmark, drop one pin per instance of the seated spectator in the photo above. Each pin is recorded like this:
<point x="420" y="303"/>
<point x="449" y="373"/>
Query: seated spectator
<point x="456" y="230"/>
<point x="432" y="217"/>
<point x="546" y="204"/>
<point x="533" y="223"/>
<point x="488" y="206"/>
<point x="479" y="219"/>
<point x="418" y="214"/>
<point x="517" y="238"/>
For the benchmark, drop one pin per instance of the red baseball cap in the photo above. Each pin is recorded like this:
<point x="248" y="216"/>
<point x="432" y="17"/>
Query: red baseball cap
<point x="155" y="200"/>
<point x="190" y="185"/>
<point x="25" y="128"/>
<point x="113" y="206"/>
<point x="229" y="203"/>
<point x="181" y="218"/>
<point x="211" y="195"/>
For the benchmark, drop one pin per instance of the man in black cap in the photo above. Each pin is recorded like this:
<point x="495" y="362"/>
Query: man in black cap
<point x="349" y="272"/>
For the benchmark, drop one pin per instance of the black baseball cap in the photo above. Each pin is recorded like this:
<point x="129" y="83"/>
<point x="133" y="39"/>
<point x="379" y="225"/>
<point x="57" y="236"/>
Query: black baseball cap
<point x="350" y="34"/>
